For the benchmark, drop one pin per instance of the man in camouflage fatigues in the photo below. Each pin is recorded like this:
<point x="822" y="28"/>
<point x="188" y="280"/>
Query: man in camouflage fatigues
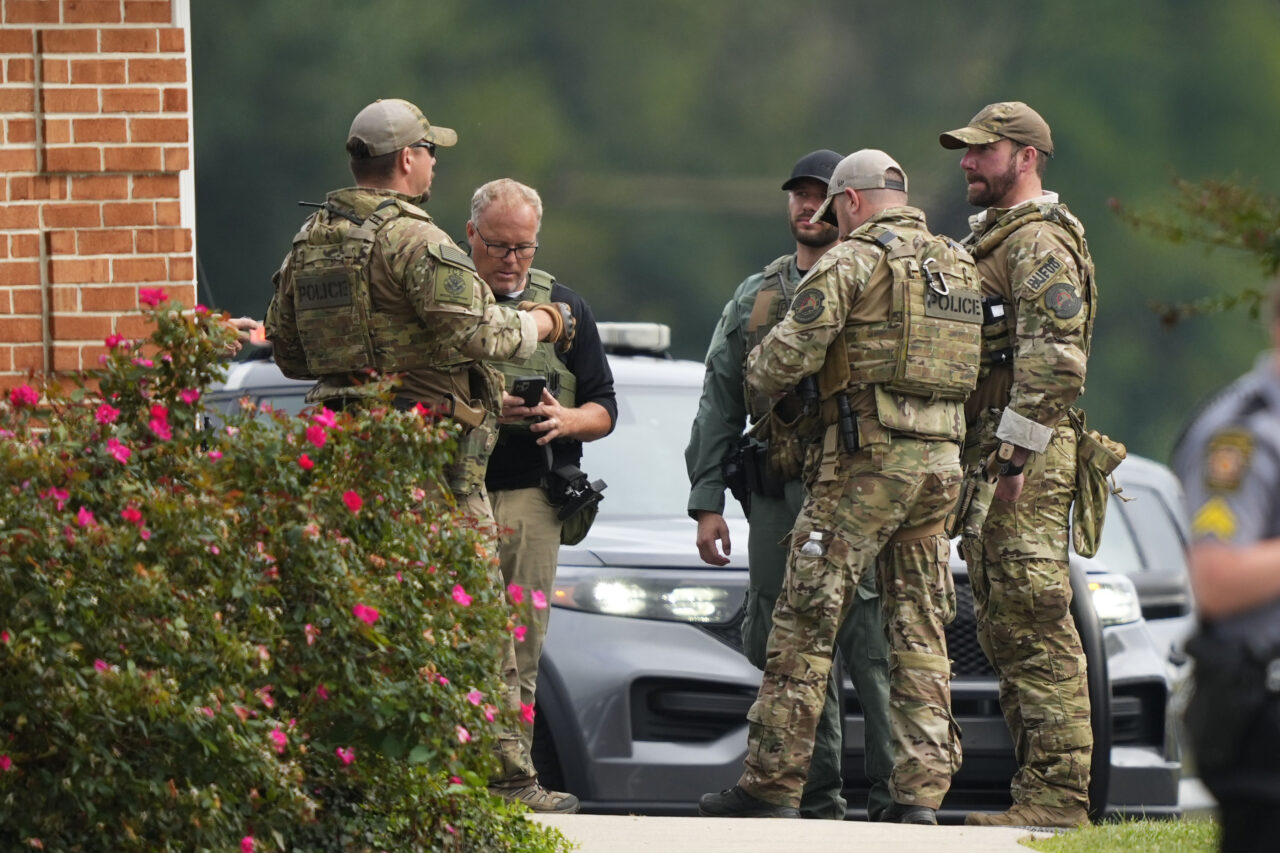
<point x="1039" y="301"/>
<point x="373" y="285"/>
<point x="889" y="322"/>
<point x="757" y="305"/>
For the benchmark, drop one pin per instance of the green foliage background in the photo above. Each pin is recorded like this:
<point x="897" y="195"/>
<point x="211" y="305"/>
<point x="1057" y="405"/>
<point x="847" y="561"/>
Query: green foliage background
<point x="659" y="133"/>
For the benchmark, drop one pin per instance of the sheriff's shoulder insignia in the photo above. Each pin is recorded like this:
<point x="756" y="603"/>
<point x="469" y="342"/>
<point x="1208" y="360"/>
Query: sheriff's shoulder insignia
<point x="1227" y="459"/>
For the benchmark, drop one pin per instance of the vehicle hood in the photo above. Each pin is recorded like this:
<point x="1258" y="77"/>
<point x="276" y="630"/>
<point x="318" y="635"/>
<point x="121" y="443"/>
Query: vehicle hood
<point x="651" y="542"/>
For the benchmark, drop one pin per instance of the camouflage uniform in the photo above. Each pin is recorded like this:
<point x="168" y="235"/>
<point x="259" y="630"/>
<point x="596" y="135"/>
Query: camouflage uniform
<point x="431" y="320"/>
<point x="757" y="305"/>
<point x="882" y="505"/>
<point x="1036" y="268"/>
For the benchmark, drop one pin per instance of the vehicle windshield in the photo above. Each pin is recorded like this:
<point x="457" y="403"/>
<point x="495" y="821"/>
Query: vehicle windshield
<point x="1141" y="534"/>
<point x="642" y="460"/>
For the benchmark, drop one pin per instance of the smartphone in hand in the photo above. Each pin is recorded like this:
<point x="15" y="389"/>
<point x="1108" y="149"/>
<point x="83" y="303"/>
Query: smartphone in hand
<point x="529" y="389"/>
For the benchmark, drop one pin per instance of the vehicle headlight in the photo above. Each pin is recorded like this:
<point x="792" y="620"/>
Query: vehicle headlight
<point x="1115" y="599"/>
<point x="674" y="596"/>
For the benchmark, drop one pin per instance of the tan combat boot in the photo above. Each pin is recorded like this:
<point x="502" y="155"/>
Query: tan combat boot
<point x="1030" y="814"/>
<point x="537" y="798"/>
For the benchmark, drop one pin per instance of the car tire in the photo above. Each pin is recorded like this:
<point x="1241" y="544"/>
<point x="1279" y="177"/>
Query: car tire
<point x="545" y="758"/>
<point x="1095" y="653"/>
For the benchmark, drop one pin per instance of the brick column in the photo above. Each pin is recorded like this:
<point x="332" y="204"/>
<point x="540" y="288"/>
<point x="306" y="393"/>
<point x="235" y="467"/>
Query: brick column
<point x="96" y="195"/>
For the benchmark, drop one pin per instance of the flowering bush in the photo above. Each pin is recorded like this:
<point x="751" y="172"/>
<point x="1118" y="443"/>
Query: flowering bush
<point x="268" y="634"/>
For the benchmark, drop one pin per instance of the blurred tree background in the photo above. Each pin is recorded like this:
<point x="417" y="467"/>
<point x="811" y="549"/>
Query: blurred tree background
<point x="659" y="132"/>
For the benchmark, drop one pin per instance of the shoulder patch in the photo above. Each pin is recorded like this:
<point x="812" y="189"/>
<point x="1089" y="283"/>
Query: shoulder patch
<point x="1062" y="299"/>
<point x="1227" y="459"/>
<point x="1050" y="267"/>
<point x="808" y="305"/>
<point x="1214" y="518"/>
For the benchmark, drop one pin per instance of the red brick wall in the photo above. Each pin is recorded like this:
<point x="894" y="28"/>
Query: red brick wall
<point x="95" y="135"/>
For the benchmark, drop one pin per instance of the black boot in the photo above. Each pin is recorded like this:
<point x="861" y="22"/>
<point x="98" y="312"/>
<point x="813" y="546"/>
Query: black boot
<point x="900" y="813"/>
<point x="736" y="802"/>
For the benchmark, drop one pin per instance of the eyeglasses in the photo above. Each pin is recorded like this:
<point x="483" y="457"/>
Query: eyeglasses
<point x="430" y="146"/>
<point x="500" y="250"/>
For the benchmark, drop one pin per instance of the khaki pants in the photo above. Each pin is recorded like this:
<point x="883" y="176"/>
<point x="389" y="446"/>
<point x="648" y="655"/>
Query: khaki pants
<point x="529" y="545"/>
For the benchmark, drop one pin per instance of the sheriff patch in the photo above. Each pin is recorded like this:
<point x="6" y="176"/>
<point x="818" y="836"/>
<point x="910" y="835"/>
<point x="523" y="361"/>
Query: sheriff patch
<point x="1227" y="460"/>
<point x="1062" y="300"/>
<point x="1047" y="270"/>
<point x="451" y="285"/>
<point x="808" y="305"/>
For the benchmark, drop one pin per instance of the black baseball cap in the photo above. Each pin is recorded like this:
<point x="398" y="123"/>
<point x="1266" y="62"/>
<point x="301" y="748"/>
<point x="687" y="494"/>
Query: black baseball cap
<point x="817" y="165"/>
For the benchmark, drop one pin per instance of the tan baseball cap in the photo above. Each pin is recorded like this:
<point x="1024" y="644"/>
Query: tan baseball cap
<point x="389" y="125"/>
<point x="862" y="170"/>
<point x="1006" y="119"/>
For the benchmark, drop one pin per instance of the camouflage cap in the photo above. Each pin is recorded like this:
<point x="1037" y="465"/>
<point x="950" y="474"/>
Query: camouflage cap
<point x="862" y="170"/>
<point x="817" y="165"/>
<point x="1005" y="120"/>
<point x="389" y="125"/>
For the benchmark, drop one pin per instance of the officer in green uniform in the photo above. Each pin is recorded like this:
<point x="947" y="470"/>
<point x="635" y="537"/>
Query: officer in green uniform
<point x="759" y="303"/>
<point x="535" y="464"/>
<point x="1039" y="299"/>
<point x="1229" y="463"/>
<point x="372" y="284"/>
<point x="888" y="322"/>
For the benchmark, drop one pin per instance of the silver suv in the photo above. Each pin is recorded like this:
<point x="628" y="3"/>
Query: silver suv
<point x="643" y="691"/>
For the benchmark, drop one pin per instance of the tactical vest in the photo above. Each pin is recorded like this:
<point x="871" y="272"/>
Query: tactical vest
<point x="998" y="330"/>
<point x="930" y="344"/>
<point x="770" y="305"/>
<point x="561" y="382"/>
<point x="339" y="330"/>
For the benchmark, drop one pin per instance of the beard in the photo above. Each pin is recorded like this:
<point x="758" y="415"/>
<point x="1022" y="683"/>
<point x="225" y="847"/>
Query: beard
<point x="816" y="236"/>
<point x="993" y="188"/>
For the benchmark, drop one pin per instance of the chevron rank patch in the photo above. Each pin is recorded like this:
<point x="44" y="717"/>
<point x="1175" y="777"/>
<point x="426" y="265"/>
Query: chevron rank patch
<point x="1214" y="518"/>
<point x="1227" y="459"/>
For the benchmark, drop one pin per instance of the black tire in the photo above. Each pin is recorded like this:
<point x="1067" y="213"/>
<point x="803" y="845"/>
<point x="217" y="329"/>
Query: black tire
<point x="545" y="758"/>
<point x="1095" y="652"/>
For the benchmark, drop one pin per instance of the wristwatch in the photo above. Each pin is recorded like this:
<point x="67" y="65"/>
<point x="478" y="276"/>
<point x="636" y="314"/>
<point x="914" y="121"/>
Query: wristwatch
<point x="1008" y="469"/>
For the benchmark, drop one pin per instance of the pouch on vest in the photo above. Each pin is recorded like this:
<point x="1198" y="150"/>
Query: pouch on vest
<point x="1097" y="457"/>
<point x="576" y="498"/>
<point x="787" y="430"/>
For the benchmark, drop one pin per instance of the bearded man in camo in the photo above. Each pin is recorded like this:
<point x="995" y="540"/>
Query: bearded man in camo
<point x="1039" y="303"/>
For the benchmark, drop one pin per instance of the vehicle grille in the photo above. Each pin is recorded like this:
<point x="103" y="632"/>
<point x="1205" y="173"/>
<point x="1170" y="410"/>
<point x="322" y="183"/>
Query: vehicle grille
<point x="968" y="659"/>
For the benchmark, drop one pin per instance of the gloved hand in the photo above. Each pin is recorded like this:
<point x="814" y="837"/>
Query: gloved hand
<point x="563" y="323"/>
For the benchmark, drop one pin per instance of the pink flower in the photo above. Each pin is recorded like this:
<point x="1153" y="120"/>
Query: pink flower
<point x="59" y="496"/>
<point x="114" y="341"/>
<point x="100" y="665"/>
<point x="347" y="755"/>
<point x="215" y="455"/>
<point x="365" y="614"/>
<point x="84" y="518"/>
<point x="539" y="600"/>
<point x="106" y="414"/>
<point x="518" y="632"/>
<point x="153" y="297"/>
<point x="131" y="514"/>
<point x="246" y="844"/>
<point x="464" y="736"/>
<point x="207" y="711"/>
<point x="352" y="500"/>
<point x="448" y="827"/>
<point x="23" y="395"/>
<point x="322" y="692"/>
<point x="455" y="780"/>
<point x="305" y="463"/>
<point x="118" y="450"/>
<point x="325" y="418"/>
<point x="442" y="679"/>
<point x="516" y="592"/>
<point x="4" y="637"/>
<point x="460" y="595"/>
<point x="526" y="713"/>
<point x="189" y="395"/>
<point x="280" y="739"/>
<point x="312" y="632"/>
<point x="475" y="697"/>
<point x="316" y="435"/>
<point x="490" y="711"/>
<point x="161" y="429"/>
<point x="215" y="550"/>
<point x="264" y="695"/>
<point x="5" y="763"/>
<point x="143" y="362"/>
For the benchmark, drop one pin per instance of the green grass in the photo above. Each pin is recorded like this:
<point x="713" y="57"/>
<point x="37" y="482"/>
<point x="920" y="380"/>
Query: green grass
<point x="1156" y="836"/>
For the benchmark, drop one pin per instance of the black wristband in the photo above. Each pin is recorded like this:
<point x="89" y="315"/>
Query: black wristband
<point x="1008" y="469"/>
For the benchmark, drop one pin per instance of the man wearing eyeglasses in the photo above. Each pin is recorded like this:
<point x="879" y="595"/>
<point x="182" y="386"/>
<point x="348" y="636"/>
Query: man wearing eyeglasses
<point x="373" y="285"/>
<point x="539" y="446"/>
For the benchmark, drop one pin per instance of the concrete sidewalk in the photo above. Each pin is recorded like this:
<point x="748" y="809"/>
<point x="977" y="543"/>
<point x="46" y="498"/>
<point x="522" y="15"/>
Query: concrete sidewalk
<point x="633" y="834"/>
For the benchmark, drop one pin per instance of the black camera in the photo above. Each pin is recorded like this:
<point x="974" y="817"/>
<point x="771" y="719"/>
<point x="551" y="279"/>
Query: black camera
<point x="569" y="488"/>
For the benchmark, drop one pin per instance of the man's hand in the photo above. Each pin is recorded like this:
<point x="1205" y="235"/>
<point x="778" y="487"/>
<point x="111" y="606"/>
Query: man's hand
<point x="244" y="328"/>
<point x="557" y="420"/>
<point x="712" y="530"/>
<point x="555" y="320"/>
<point x="1008" y="485"/>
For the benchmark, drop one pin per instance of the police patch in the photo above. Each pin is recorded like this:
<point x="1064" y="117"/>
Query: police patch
<point x="1227" y="459"/>
<point x="808" y="305"/>
<point x="1062" y="300"/>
